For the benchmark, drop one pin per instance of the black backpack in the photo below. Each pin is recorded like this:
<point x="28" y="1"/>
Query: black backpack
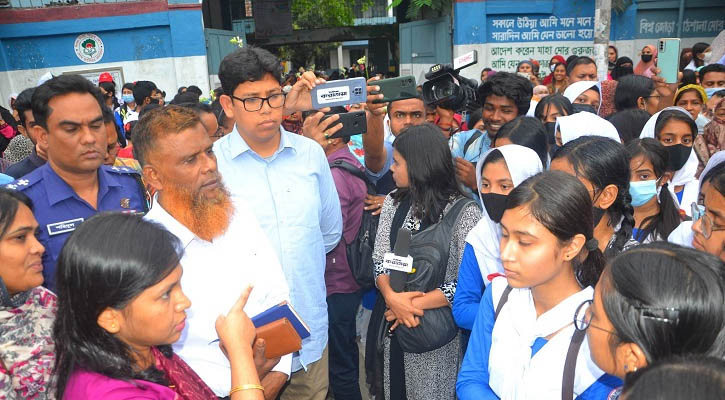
<point x="360" y="250"/>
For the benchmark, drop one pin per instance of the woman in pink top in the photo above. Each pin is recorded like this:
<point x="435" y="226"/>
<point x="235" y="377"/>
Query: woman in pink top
<point x="26" y="308"/>
<point x="121" y="306"/>
<point x="648" y="60"/>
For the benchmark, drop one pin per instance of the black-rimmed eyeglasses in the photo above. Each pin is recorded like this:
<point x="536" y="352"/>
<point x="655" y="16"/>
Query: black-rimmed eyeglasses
<point x="253" y="104"/>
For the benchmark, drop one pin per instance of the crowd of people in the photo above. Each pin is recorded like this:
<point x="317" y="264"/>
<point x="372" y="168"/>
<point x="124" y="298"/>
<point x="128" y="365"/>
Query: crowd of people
<point x="566" y="237"/>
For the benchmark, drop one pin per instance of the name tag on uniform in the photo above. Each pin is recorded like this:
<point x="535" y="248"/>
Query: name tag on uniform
<point x="63" y="227"/>
<point x="398" y="263"/>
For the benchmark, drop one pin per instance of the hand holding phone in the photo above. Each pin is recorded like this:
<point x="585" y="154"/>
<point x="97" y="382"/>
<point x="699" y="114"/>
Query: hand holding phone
<point x="400" y="88"/>
<point x="339" y="93"/>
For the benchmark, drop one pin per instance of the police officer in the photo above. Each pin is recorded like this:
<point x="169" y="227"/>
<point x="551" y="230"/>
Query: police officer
<point x="74" y="184"/>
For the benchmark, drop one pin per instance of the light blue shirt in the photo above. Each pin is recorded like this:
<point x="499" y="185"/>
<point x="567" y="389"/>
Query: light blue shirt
<point x="294" y="198"/>
<point x="477" y="148"/>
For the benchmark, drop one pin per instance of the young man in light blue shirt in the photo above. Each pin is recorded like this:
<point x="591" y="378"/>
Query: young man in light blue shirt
<point x="287" y="182"/>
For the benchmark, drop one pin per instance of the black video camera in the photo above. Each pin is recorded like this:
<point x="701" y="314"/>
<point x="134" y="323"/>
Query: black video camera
<point x="446" y="88"/>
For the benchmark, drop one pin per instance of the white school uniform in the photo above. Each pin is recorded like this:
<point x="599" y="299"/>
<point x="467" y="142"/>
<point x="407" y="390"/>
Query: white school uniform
<point x="517" y="375"/>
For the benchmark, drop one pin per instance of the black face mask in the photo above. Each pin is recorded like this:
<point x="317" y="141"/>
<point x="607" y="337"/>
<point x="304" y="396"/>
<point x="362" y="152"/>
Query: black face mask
<point x="646" y="57"/>
<point x="578" y="107"/>
<point x="550" y="132"/>
<point x="678" y="155"/>
<point x="495" y="205"/>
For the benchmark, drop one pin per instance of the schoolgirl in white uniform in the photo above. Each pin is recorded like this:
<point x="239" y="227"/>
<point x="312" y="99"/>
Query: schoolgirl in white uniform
<point x="498" y="172"/>
<point x="676" y="130"/>
<point x="523" y="344"/>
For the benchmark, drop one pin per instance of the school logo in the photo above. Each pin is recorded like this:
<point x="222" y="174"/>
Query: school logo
<point x="89" y="48"/>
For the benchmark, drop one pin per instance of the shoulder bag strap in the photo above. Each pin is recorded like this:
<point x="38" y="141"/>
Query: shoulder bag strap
<point x="470" y="140"/>
<point x="504" y="298"/>
<point x="567" y="382"/>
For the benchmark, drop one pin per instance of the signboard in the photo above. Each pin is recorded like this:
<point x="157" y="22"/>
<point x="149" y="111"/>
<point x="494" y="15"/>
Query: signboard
<point x="93" y="75"/>
<point x="89" y="48"/>
<point x="512" y="39"/>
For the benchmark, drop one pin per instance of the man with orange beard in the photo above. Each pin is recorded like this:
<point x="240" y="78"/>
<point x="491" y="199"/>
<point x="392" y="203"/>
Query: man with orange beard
<point x="225" y="249"/>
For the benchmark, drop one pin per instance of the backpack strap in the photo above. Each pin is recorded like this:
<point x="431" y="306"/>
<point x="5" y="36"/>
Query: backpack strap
<point x="342" y="164"/>
<point x="470" y="140"/>
<point x="567" y="382"/>
<point x="504" y="298"/>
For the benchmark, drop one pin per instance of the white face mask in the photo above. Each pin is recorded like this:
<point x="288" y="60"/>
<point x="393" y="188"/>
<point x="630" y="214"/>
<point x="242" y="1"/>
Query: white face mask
<point x="707" y="57"/>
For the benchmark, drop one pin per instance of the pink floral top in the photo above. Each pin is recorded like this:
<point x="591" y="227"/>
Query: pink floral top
<point x="27" y="353"/>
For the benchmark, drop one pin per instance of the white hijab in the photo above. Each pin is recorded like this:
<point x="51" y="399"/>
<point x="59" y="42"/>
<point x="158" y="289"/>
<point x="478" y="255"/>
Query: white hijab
<point x="585" y="124"/>
<point x="522" y="162"/>
<point x="687" y="172"/>
<point x="577" y="88"/>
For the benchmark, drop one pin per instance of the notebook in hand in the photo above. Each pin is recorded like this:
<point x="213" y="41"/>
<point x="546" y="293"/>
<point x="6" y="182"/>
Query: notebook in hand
<point x="280" y="338"/>
<point x="282" y="310"/>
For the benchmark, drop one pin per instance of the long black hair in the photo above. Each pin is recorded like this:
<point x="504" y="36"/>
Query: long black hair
<point x="528" y="132"/>
<point x="431" y="176"/>
<point x="630" y="88"/>
<point x="667" y="299"/>
<point x="110" y="88"/>
<point x="96" y="271"/>
<point x="10" y="200"/>
<point x="629" y="123"/>
<point x="562" y="104"/>
<point x="699" y="48"/>
<point x="561" y="203"/>
<point x="668" y="217"/>
<point x="689" y="377"/>
<point x="603" y="162"/>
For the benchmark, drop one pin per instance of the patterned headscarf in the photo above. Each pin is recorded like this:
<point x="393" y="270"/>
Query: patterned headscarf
<point x="19" y="148"/>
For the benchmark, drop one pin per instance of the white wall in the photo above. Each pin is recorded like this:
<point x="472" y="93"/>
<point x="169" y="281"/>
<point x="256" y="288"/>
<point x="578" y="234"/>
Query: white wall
<point x="167" y="73"/>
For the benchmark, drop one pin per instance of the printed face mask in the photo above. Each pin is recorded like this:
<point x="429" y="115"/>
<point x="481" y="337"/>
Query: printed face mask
<point x="642" y="191"/>
<point x="495" y="205"/>
<point x="679" y="154"/>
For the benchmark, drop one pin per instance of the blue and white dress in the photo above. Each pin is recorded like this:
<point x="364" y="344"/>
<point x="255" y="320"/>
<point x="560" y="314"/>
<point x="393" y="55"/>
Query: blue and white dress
<point x="511" y="358"/>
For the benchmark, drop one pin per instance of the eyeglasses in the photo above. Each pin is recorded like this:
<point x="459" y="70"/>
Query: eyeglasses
<point x="583" y="318"/>
<point x="706" y="226"/>
<point x="219" y="133"/>
<point x="252" y="104"/>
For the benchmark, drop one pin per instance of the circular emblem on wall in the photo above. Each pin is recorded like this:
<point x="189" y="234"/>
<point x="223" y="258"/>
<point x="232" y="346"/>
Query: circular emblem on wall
<point x="89" y="48"/>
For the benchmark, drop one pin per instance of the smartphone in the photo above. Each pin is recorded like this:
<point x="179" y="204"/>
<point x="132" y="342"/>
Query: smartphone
<point x="353" y="123"/>
<point x="668" y="58"/>
<point x="400" y="88"/>
<point x="339" y="93"/>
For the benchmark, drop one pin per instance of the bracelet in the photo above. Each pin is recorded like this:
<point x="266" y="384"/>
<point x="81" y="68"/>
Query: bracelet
<point x="245" y="387"/>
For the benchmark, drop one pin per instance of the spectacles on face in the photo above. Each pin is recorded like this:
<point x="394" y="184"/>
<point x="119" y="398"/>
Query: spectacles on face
<point x="706" y="226"/>
<point x="219" y="133"/>
<point x="253" y="104"/>
<point x="583" y="318"/>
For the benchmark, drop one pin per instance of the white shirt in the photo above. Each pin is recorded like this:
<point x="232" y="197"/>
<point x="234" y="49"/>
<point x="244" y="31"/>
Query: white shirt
<point x="513" y="372"/>
<point x="215" y="273"/>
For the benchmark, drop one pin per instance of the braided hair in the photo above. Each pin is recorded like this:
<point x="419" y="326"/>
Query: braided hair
<point x="603" y="162"/>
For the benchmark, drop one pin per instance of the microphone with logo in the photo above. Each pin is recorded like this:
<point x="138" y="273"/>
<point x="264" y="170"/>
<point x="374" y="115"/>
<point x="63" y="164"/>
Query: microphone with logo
<point x="399" y="263"/>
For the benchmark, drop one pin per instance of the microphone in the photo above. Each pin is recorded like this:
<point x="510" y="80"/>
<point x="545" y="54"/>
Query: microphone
<point x="402" y="249"/>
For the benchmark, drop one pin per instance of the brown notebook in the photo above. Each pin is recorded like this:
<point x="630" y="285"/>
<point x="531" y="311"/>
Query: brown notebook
<point x="280" y="337"/>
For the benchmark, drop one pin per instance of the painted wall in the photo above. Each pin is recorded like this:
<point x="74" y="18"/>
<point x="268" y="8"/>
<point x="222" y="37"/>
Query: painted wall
<point x="165" y="46"/>
<point x="505" y="32"/>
